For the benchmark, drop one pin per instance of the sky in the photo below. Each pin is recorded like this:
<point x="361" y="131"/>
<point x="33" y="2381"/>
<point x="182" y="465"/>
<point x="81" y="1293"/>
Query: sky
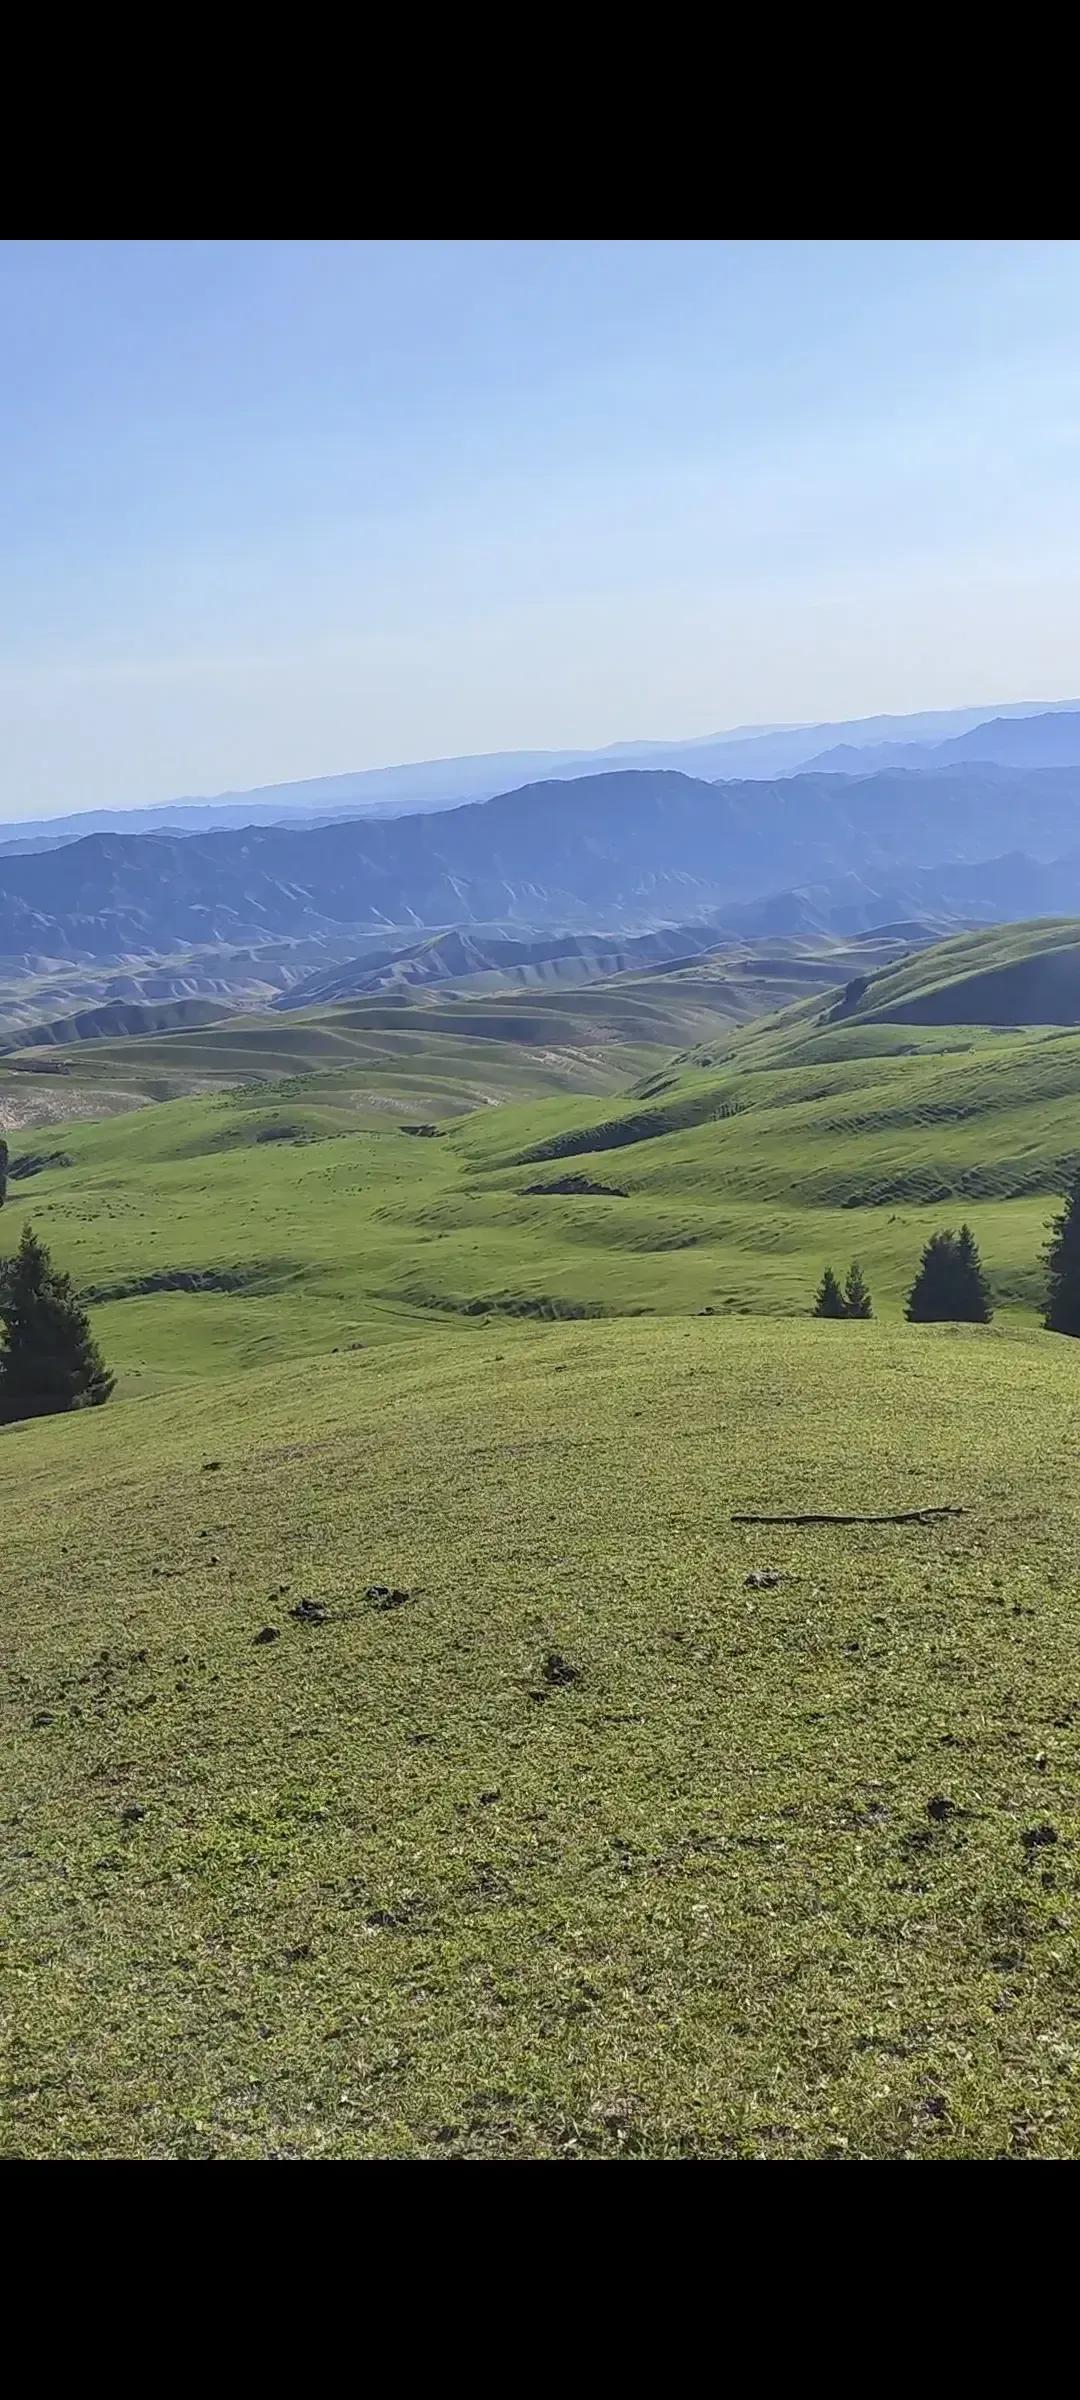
<point x="277" y="510"/>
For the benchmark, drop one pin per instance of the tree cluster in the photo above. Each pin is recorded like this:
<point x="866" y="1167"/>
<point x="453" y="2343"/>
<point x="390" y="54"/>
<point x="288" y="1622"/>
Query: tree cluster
<point x="849" y="1299"/>
<point x="951" y="1287"/>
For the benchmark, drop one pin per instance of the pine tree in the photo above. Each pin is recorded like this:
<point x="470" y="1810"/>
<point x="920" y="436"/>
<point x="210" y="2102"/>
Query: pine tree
<point x="857" y="1301"/>
<point x="829" y="1299"/>
<point x="1062" y="1257"/>
<point x="48" y="1357"/>
<point x="950" y="1287"/>
<point x="973" y="1288"/>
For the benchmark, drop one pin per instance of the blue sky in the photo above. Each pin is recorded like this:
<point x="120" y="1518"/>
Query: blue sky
<point x="277" y="510"/>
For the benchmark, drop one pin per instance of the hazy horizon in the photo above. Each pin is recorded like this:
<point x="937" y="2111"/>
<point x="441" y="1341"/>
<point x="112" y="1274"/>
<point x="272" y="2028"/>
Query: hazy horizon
<point x="720" y="734"/>
<point x="279" y="511"/>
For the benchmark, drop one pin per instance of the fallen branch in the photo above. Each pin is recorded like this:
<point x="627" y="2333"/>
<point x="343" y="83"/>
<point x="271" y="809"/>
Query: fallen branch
<point x="899" y="1516"/>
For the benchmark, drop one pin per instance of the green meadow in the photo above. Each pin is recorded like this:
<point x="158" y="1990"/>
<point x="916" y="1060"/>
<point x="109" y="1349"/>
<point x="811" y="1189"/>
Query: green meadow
<point x="568" y="1818"/>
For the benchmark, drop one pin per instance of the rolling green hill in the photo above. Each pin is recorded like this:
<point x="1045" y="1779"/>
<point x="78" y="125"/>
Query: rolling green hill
<point x="395" y="1055"/>
<point x="411" y="1752"/>
<point x="403" y="1051"/>
<point x="1024" y="975"/>
<point x="732" y="1172"/>
<point x="126" y="1019"/>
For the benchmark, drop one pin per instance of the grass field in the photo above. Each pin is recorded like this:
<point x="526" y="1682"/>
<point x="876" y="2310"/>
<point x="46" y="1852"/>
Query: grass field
<point x="588" y="1845"/>
<point x="438" y="1051"/>
<point x="728" y="1178"/>
<point x="395" y="1056"/>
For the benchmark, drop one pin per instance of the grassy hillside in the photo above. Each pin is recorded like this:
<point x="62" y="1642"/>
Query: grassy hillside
<point x="402" y="1053"/>
<point x="1012" y="974"/>
<point x="588" y="1847"/>
<point x="723" y="1181"/>
<point x="568" y="1818"/>
<point x="123" y="1019"/>
<point x="395" y="1056"/>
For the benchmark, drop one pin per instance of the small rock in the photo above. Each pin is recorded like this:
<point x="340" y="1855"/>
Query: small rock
<point x="486" y="1798"/>
<point x="1038" y="1837"/>
<point x="381" y="1596"/>
<point x="309" y="1612"/>
<point x="44" y="1717"/>
<point x="763" y="1580"/>
<point x="269" y="1633"/>
<point x="939" y="1810"/>
<point x="558" y="1669"/>
<point x="133" y="1814"/>
<point x="211" y="1466"/>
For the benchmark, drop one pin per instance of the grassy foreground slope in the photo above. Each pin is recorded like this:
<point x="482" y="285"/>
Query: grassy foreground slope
<point x="588" y="1847"/>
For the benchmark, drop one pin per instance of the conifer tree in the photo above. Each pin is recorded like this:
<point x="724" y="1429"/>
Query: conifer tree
<point x="973" y="1287"/>
<point x="1062" y="1257"/>
<point x="857" y="1301"/>
<point x="950" y="1287"/>
<point x="829" y="1299"/>
<point x="49" y="1359"/>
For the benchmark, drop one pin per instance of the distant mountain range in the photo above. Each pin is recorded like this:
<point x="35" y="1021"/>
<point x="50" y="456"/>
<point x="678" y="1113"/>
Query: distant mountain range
<point x="1049" y="740"/>
<point x="911" y="908"/>
<point x="749" y="753"/>
<point x="619" y="852"/>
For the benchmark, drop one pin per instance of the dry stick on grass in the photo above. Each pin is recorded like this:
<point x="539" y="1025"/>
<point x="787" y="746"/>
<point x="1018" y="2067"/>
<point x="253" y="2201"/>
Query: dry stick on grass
<point x="900" y="1516"/>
